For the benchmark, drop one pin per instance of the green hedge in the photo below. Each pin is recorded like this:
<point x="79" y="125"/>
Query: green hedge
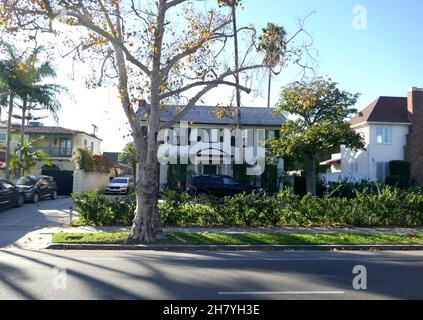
<point x="396" y="181"/>
<point x="99" y="210"/>
<point x="388" y="207"/>
<point x="400" y="168"/>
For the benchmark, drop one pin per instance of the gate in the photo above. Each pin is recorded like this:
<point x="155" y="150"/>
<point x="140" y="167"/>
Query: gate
<point x="64" y="180"/>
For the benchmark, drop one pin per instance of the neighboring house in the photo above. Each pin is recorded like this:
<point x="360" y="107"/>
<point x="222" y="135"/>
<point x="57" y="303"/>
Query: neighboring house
<point x="57" y="142"/>
<point x="204" y="117"/>
<point x="119" y="168"/>
<point x="392" y="130"/>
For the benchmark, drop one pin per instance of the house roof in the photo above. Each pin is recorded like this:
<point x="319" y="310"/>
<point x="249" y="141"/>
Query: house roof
<point x="47" y="130"/>
<point x="207" y="115"/>
<point x="384" y="109"/>
<point x="114" y="157"/>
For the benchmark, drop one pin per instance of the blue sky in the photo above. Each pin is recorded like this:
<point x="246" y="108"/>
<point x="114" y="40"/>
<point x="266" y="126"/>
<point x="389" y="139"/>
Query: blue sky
<point x="384" y="59"/>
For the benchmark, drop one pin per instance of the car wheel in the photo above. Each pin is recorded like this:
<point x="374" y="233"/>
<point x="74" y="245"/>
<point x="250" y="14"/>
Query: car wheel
<point x="54" y="195"/>
<point x="20" y="202"/>
<point x="35" y="198"/>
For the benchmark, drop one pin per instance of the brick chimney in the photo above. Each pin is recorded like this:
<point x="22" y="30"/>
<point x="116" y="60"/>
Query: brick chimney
<point x="414" y="148"/>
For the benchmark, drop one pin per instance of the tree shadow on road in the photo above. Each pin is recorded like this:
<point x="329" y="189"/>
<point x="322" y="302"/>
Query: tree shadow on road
<point x="203" y="275"/>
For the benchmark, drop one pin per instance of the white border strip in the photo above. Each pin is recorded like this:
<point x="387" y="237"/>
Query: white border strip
<point x="283" y="293"/>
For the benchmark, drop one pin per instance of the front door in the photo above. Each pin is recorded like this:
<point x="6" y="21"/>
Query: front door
<point x="209" y="170"/>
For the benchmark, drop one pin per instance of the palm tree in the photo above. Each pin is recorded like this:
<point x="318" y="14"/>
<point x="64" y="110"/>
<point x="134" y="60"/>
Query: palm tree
<point x="26" y="157"/>
<point x="34" y="92"/>
<point x="9" y="87"/>
<point x="273" y="44"/>
<point x="22" y="78"/>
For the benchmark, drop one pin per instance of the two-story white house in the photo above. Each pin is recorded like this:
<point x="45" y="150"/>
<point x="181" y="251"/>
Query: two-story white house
<point x="213" y="157"/>
<point x="386" y="125"/>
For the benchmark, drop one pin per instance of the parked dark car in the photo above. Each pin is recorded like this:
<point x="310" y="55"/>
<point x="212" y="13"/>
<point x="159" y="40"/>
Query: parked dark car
<point x="218" y="186"/>
<point x="10" y="195"/>
<point x="35" y="188"/>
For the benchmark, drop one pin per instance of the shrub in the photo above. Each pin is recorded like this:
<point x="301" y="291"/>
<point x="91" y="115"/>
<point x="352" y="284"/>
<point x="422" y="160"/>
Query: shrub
<point x="396" y="181"/>
<point x="349" y="189"/>
<point x="378" y="207"/>
<point x="84" y="159"/>
<point x="98" y="210"/>
<point x="269" y="179"/>
<point x="400" y="168"/>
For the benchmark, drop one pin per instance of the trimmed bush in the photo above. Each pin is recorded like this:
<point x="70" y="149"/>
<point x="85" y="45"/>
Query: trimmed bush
<point x="400" y="168"/>
<point x="396" y="181"/>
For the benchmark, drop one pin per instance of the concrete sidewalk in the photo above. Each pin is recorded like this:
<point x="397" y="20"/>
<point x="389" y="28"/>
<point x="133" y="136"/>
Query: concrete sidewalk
<point x="391" y="231"/>
<point x="31" y="226"/>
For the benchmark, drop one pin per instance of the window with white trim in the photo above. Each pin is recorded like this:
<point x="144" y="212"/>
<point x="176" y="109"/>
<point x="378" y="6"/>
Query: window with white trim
<point x="384" y="135"/>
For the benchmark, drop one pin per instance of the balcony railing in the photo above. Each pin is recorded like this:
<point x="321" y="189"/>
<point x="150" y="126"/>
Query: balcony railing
<point x="56" y="152"/>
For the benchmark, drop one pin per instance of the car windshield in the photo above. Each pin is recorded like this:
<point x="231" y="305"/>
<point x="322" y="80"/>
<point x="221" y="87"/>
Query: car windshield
<point x="25" y="181"/>
<point x="120" y="180"/>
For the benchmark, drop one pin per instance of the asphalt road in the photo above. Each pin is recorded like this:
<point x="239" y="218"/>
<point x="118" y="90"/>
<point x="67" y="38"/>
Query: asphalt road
<point x="86" y="275"/>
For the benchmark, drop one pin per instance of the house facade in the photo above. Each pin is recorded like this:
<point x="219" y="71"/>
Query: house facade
<point x="213" y="145"/>
<point x="58" y="143"/>
<point x="391" y="130"/>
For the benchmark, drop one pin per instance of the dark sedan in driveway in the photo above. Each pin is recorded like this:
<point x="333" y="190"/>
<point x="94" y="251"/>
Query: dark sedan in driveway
<point x="37" y="187"/>
<point x="10" y="195"/>
<point x="218" y="186"/>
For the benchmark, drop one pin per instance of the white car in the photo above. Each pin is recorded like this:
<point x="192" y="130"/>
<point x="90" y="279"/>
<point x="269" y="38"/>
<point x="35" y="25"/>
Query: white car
<point x="120" y="185"/>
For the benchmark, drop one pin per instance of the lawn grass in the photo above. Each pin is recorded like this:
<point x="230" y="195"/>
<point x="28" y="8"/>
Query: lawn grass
<point x="79" y="222"/>
<point x="246" y="239"/>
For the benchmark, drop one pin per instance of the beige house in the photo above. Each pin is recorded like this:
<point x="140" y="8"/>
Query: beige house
<point x="59" y="143"/>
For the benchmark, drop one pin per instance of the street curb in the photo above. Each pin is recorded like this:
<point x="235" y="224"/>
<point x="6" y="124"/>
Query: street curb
<point x="236" y="247"/>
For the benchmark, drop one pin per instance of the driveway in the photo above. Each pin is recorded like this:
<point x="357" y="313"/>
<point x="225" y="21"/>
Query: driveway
<point x="23" y="227"/>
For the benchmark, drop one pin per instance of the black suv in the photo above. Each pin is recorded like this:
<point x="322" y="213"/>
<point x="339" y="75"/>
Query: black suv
<point x="218" y="186"/>
<point x="37" y="187"/>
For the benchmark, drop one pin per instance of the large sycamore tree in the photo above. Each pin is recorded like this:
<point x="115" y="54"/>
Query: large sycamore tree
<point x="165" y="52"/>
<point x="317" y="112"/>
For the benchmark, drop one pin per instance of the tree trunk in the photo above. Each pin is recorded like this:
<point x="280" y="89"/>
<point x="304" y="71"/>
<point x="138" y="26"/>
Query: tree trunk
<point x="134" y="173"/>
<point x="8" y="137"/>
<point x="238" y="91"/>
<point x="269" y="88"/>
<point x="146" y="225"/>
<point x="311" y="175"/>
<point x="24" y="105"/>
